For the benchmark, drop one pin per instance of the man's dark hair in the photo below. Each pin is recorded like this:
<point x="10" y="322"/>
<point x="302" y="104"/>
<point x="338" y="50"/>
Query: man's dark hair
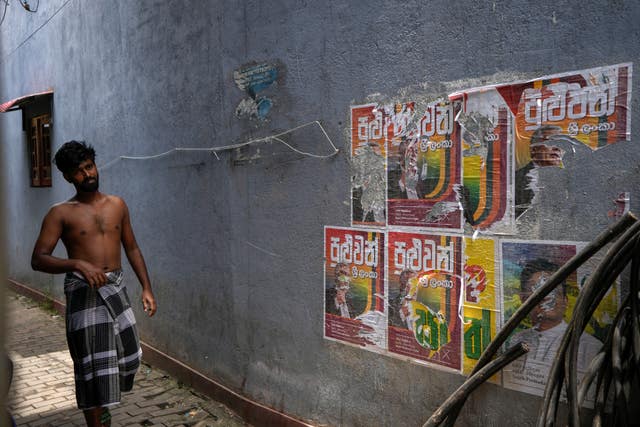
<point x="405" y="276"/>
<point x="535" y="266"/>
<point x="337" y="270"/>
<point x="71" y="154"/>
<point x="540" y="135"/>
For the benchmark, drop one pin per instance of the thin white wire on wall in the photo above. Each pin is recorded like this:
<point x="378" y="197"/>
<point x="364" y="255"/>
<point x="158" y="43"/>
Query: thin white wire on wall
<point x="216" y="150"/>
<point x="28" y="9"/>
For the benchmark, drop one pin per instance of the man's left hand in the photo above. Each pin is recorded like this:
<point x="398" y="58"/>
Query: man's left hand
<point x="149" y="303"/>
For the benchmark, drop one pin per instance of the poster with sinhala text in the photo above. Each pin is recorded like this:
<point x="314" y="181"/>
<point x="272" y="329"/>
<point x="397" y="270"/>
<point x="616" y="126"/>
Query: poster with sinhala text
<point x="424" y="174"/>
<point x="526" y="266"/>
<point x="560" y="114"/>
<point x="546" y="120"/>
<point x="354" y="287"/>
<point x="424" y="281"/>
<point x="486" y="128"/>
<point x="481" y="300"/>
<point x="373" y="128"/>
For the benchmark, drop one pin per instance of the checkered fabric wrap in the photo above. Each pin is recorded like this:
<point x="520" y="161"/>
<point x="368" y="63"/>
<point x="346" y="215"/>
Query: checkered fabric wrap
<point x="103" y="340"/>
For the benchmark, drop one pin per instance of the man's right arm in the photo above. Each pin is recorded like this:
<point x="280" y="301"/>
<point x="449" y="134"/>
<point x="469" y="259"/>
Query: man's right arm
<point x="42" y="260"/>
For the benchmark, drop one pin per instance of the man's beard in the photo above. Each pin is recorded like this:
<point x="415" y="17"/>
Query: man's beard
<point x="89" y="185"/>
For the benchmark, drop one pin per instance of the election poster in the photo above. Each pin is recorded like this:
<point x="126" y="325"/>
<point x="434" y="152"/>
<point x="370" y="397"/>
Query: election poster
<point x="563" y="113"/>
<point x="525" y="267"/>
<point x="424" y="283"/>
<point x="481" y="300"/>
<point x="354" y="272"/>
<point x="424" y="171"/>
<point x="373" y="127"/>
<point x="487" y="149"/>
<point x="588" y="108"/>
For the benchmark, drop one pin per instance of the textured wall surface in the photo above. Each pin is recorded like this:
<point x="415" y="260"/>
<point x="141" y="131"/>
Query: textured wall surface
<point x="234" y="243"/>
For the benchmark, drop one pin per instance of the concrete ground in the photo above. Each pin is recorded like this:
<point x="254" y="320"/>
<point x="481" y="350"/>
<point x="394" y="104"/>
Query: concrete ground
<point x="42" y="392"/>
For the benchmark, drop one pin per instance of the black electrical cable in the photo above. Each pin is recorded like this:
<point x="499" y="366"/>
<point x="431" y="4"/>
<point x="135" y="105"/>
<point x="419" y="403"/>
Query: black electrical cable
<point x="592" y="293"/>
<point x="4" y="12"/>
<point x="587" y="252"/>
<point x="617" y="258"/>
<point x="599" y="284"/>
<point x="27" y="7"/>
<point x="475" y="380"/>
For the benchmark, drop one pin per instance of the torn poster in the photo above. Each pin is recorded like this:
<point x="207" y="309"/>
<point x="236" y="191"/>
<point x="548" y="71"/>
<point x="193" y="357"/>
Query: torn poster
<point x="481" y="300"/>
<point x="424" y="290"/>
<point x="354" y="287"/>
<point x="486" y="125"/>
<point x="253" y="79"/>
<point x="424" y="174"/>
<point x="550" y="116"/>
<point x="589" y="107"/>
<point x="525" y="266"/>
<point x="372" y="128"/>
<point x="564" y="112"/>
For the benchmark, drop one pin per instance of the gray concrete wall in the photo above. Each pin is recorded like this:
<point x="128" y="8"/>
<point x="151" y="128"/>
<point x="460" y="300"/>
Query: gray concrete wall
<point x="234" y="246"/>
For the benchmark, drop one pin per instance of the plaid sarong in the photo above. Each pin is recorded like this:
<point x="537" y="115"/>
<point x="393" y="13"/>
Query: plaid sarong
<point x="103" y="340"/>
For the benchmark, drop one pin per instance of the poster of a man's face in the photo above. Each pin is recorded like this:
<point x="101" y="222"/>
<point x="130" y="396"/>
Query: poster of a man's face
<point x="551" y="310"/>
<point x="525" y="267"/>
<point x="399" y="299"/>
<point x="543" y="147"/>
<point x="354" y="286"/>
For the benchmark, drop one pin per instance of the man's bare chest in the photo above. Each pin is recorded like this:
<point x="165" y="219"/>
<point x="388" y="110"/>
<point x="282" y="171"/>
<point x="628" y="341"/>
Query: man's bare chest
<point x="87" y="222"/>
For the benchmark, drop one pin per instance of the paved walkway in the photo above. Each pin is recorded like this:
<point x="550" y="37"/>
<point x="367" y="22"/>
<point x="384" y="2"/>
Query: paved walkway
<point x="42" y="392"/>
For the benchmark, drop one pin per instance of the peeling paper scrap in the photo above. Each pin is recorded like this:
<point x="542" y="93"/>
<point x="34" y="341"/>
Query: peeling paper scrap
<point x="368" y="179"/>
<point x="622" y="203"/>
<point x="253" y="79"/>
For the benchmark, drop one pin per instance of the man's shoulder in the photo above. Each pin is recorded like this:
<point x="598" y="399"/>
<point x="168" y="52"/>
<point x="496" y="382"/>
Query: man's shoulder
<point x="62" y="207"/>
<point x="112" y="198"/>
<point x="528" y="335"/>
<point x="586" y="339"/>
<point x="66" y="206"/>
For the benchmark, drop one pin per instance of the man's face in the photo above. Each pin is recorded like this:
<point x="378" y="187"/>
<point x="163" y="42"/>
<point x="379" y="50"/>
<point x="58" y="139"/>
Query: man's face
<point x="342" y="277"/>
<point x="405" y="277"/>
<point x="85" y="177"/>
<point x="542" y="150"/>
<point x="550" y="310"/>
<point x="546" y="155"/>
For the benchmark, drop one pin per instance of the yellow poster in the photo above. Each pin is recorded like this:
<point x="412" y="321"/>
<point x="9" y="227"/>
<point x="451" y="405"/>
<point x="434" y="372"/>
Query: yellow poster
<point x="480" y="300"/>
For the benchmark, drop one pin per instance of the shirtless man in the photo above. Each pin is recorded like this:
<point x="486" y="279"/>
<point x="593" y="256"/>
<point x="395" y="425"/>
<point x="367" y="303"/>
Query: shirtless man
<point x="101" y="331"/>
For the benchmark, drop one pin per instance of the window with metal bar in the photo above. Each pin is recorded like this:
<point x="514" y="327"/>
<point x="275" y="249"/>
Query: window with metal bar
<point x="40" y="150"/>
